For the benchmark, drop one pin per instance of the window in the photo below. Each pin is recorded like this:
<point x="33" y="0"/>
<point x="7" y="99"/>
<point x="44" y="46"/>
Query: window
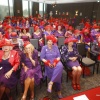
<point x="30" y="7"/>
<point x="4" y="9"/>
<point x="25" y="8"/>
<point x="41" y="9"/>
<point x="11" y="7"/>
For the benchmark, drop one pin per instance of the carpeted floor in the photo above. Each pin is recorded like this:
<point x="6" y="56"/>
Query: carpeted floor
<point x="88" y="82"/>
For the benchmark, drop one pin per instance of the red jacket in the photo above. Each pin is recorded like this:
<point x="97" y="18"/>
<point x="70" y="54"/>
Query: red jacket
<point x="14" y="58"/>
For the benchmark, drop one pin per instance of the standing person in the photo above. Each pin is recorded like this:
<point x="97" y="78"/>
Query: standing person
<point x="53" y="67"/>
<point x="9" y="60"/>
<point x="70" y="55"/>
<point x="31" y="70"/>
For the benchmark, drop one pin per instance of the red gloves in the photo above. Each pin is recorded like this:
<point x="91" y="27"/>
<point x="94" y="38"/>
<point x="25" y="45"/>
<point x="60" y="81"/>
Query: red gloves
<point x="47" y="63"/>
<point x="55" y="61"/>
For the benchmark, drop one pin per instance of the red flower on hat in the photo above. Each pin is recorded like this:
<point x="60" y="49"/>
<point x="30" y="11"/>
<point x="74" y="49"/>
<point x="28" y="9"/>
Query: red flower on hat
<point x="70" y="39"/>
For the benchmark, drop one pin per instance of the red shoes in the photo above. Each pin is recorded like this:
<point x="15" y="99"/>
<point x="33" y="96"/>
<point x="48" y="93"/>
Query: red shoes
<point x="76" y="86"/>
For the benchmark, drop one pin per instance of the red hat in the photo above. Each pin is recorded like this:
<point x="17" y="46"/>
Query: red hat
<point x="70" y="39"/>
<point x="48" y="26"/>
<point x="70" y="28"/>
<point x="6" y="43"/>
<point x="26" y="43"/>
<point x="13" y="35"/>
<point x="77" y="31"/>
<point x="85" y="31"/>
<point x="36" y="28"/>
<point x="8" y="27"/>
<point x="95" y="26"/>
<point x="51" y="37"/>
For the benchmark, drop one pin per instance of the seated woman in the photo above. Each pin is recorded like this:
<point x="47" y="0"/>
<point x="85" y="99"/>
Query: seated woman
<point x="38" y="35"/>
<point x="53" y="67"/>
<point x="18" y="43"/>
<point x="70" y="55"/>
<point x="9" y="60"/>
<point x="59" y="32"/>
<point x="77" y="35"/>
<point x="24" y="34"/>
<point x="96" y="46"/>
<point x="87" y="38"/>
<point x="69" y="32"/>
<point x="31" y="70"/>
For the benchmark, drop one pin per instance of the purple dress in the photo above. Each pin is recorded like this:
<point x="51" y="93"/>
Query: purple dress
<point x="66" y="54"/>
<point x="10" y="82"/>
<point x="33" y="71"/>
<point x="39" y="36"/>
<point x="54" y="74"/>
<point x="25" y="38"/>
<point x="57" y="34"/>
<point x="46" y="33"/>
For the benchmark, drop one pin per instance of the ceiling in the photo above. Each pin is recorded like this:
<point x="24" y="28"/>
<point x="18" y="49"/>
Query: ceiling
<point x="63" y="1"/>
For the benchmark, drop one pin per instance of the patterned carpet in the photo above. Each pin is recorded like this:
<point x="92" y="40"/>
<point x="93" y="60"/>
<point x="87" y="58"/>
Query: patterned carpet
<point x="86" y="83"/>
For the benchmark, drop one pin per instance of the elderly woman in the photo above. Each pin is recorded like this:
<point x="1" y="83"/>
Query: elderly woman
<point x="31" y="70"/>
<point x="18" y="43"/>
<point x="53" y="67"/>
<point x="96" y="46"/>
<point x="70" y="55"/>
<point x="9" y="62"/>
<point x="25" y="35"/>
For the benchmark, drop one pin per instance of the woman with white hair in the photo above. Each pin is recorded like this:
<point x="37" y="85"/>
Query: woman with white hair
<point x="9" y="62"/>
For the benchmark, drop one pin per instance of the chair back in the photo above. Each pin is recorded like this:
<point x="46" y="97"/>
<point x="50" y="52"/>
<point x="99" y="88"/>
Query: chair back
<point x="35" y="43"/>
<point x="60" y="41"/>
<point x="81" y="49"/>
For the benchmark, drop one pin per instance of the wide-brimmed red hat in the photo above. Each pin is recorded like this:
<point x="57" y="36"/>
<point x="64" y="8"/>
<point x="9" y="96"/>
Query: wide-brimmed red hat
<point x="70" y="28"/>
<point x="76" y="31"/>
<point x="48" y="27"/>
<point x="5" y="43"/>
<point x="70" y="39"/>
<point x="8" y="27"/>
<point x="36" y="28"/>
<point x="95" y="27"/>
<point x="13" y="35"/>
<point x="51" y="37"/>
<point x="85" y="31"/>
<point x="26" y="43"/>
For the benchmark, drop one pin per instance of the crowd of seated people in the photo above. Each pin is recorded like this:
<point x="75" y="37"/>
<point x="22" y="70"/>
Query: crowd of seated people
<point x="16" y="50"/>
